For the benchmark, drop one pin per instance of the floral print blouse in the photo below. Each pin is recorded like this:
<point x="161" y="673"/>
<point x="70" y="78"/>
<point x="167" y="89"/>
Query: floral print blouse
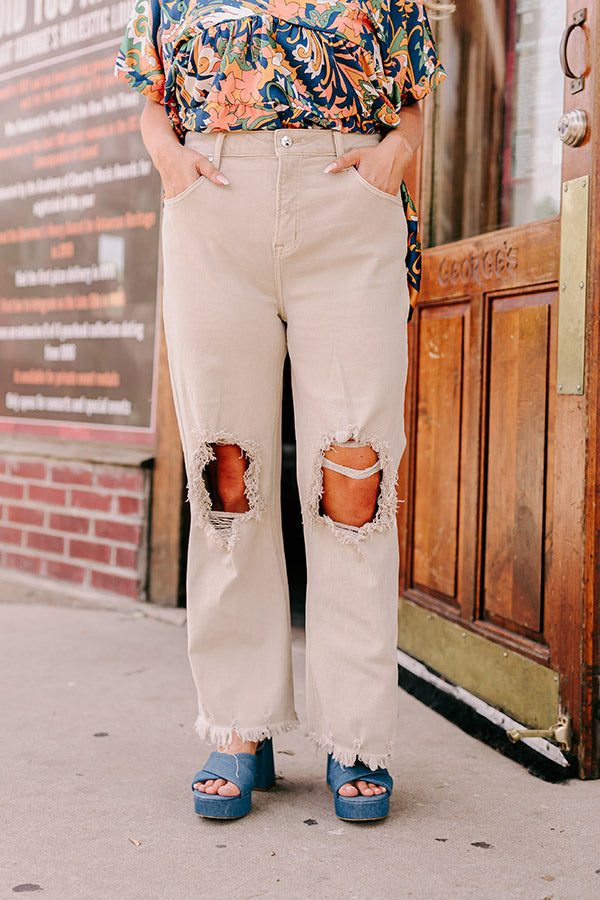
<point x="350" y="65"/>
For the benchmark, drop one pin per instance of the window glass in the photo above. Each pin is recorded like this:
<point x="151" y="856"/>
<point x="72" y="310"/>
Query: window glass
<point x="532" y="186"/>
<point x="493" y="157"/>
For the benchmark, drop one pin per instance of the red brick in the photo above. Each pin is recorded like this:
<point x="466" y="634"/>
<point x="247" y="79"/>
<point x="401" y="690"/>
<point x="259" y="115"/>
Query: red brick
<point x="117" y="531"/>
<point x="42" y="494"/>
<point x="64" y="572"/>
<point x="27" y="469"/>
<point x="51" y="543"/>
<point x="72" y="475"/>
<point x="116" y="584"/>
<point x="88" y="550"/>
<point x="10" y="489"/>
<point x="31" y="564"/>
<point x="126" y="559"/>
<point x="2" y="466"/>
<point x="72" y="524"/>
<point x="129" y="506"/>
<point x="90" y="500"/>
<point x="10" y="535"/>
<point x="121" y="479"/>
<point x="25" y="515"/>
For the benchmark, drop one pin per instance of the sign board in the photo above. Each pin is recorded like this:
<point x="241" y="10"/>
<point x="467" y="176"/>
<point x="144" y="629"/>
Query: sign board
<point x="79" y="227"/>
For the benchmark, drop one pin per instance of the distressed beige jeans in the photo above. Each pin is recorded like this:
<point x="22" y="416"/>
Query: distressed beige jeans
<point x="287" y="257"/>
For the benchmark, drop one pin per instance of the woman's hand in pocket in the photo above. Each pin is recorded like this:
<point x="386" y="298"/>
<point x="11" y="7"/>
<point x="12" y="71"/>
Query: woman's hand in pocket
<point x="384" y="165"/>
<point x="182" y="166"/>
<point x="379" y="165"/>
<point x="179" y="166"/>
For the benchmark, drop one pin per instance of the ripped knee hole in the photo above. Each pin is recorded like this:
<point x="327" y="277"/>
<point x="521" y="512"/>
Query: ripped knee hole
<point x="224" y="484"/>
<point x="224" y="476"/>
<point x="351" y="481"/>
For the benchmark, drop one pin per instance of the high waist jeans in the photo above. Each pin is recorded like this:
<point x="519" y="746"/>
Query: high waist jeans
<point x="287" y="257"/>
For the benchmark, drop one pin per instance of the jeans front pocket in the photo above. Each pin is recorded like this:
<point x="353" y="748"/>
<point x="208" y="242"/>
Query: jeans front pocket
<point x="169" y="201"/>
<point x="374" y="190"/>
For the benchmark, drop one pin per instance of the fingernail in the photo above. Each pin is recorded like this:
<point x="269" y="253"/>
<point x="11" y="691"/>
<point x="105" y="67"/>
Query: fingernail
<point x="329" y="168"/>
<point x="221" y="179"/>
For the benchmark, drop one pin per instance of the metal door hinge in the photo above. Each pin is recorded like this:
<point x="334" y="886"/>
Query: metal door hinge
<point x="560" y="733"/>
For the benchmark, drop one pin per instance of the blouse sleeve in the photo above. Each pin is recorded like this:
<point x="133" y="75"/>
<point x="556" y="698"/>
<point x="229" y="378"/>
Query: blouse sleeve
<point x="410" y="57"/>
<point x="139" y="61"/>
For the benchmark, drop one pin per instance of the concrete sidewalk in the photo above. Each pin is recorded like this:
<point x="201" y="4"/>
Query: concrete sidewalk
<point x="97" y="752"/>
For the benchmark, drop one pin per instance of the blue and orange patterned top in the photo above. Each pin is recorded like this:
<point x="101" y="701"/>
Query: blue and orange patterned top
<point x="228" y="65"/>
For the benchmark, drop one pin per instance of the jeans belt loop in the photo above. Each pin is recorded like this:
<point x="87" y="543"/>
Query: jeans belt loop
<point x="338" y="143"/>
<point x="218" y="149"/>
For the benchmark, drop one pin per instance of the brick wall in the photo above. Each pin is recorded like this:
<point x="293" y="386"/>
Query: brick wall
<point x="84" y="524"/>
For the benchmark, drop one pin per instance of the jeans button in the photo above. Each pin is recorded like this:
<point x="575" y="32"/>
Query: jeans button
<point x="286" y="141"/>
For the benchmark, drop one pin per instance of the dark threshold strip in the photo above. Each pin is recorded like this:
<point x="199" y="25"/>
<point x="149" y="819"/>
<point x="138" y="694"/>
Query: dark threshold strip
<point x="476" y="725"/>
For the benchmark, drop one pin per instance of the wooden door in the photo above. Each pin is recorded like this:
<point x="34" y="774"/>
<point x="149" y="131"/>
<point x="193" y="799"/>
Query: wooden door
<point x="499" y="528"/>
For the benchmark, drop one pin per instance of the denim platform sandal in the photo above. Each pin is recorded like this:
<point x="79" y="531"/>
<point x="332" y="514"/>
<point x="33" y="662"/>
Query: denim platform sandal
<point x="359" y="808"/>
<point x="248" y="771"/>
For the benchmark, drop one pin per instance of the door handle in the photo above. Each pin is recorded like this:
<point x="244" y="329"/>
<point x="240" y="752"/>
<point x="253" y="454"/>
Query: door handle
<point x="577" y="81"/>
<point x="573" y="127"/>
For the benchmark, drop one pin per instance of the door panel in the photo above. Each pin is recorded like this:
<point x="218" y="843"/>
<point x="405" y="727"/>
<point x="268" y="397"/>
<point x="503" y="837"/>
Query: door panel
<point x="438" y="448"/>
<point x="515" y="451"/>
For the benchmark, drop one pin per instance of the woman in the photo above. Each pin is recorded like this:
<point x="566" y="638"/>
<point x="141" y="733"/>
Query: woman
<point x="281" y="131"/>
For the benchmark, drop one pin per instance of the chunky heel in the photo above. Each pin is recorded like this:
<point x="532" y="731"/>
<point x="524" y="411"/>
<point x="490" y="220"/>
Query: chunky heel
<point x="265" y="766"/>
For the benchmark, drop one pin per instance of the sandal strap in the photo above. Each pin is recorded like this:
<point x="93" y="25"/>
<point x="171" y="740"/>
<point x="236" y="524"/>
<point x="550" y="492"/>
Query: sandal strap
<point x="338" y="775"/>
<point x="239" y="768"/>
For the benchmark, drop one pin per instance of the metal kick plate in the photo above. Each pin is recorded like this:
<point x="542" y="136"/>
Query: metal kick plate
<point x="525" y="690"/>
<point x="573" y="285"/>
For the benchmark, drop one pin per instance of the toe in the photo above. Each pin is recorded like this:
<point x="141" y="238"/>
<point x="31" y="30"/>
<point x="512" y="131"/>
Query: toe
<point x="365" y="789"/>
<point x="213" y="786"/>
<point x="377" y="788"/>
<point x="229" y="790"/>
<point x="348" y="790"/>
<point x="202" y="785"/>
